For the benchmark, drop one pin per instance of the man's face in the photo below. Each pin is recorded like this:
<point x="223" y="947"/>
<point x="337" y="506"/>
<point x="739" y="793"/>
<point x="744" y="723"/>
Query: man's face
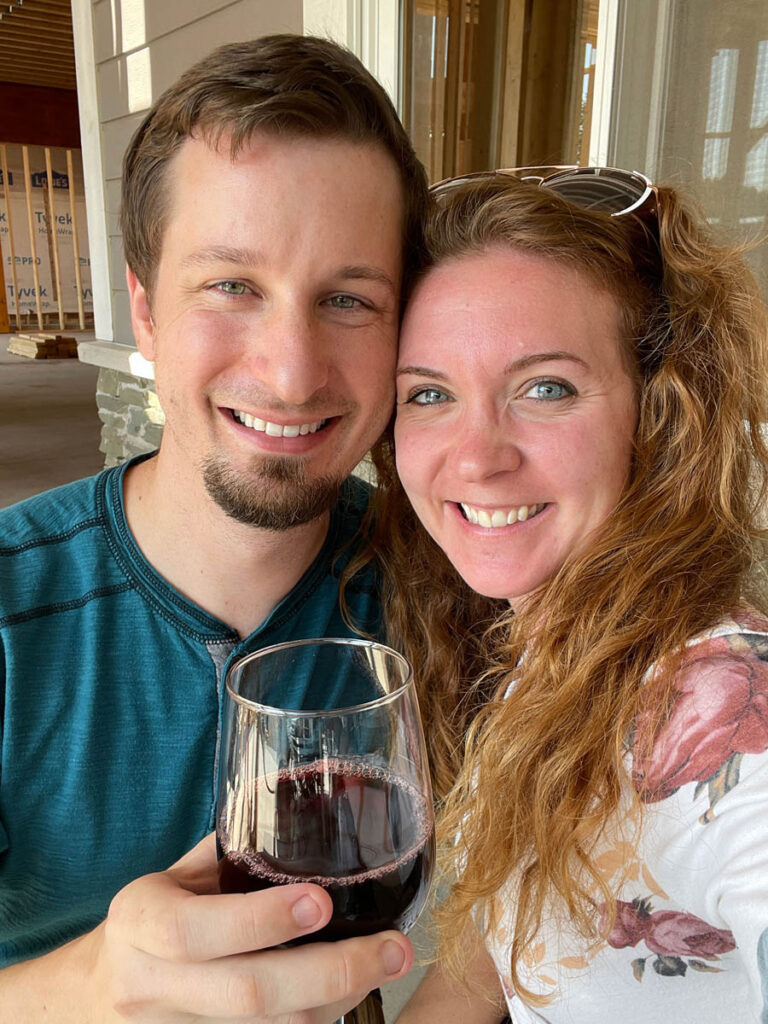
<point x="273" y="320"/>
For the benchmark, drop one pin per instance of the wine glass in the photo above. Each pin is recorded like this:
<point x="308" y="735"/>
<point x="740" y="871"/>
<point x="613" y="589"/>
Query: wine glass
<point x="323" y="778"/>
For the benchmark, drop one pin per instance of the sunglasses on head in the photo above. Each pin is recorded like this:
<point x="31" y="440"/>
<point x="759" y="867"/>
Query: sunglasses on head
<point x="607" y="189"/>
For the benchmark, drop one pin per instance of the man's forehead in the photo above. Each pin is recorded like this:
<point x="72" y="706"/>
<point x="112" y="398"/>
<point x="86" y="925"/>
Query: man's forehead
<point x="291" y="160"/>
<point x="343" y="199"/>
<point x="218" y="146"/>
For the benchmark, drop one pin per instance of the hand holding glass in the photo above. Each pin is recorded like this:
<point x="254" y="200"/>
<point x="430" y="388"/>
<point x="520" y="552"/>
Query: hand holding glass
<point x="323" y="778"/>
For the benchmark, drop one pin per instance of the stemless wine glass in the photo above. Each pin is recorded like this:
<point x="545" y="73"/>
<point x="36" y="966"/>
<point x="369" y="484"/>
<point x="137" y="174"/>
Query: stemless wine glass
<point x="323" y="778"/>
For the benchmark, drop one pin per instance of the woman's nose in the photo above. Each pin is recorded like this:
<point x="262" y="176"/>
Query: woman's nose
<point x="483" y="450"/>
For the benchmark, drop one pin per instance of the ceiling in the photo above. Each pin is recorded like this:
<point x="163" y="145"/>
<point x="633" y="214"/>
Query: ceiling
<point x="36" y="45"/>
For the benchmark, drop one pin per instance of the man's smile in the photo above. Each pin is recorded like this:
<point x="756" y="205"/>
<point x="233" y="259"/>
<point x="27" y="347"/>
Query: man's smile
<point x="277" y="429"/>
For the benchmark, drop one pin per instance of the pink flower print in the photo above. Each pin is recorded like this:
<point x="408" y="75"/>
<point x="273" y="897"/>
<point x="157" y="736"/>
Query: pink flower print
<point x="630" y="924"/>
<point x="721" y="709"/>
<point x="751" y="620"/>
<point x="670" y="935"/>
<point x="673" y="933"/>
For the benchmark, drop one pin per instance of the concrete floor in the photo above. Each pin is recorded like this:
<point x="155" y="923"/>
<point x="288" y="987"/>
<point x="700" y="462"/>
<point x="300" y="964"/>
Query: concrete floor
<point x="49" y="427"/>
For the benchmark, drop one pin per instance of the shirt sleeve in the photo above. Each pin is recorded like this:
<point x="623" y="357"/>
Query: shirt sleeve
<point x="3" y="833"/>
<point x="711" y="757"/>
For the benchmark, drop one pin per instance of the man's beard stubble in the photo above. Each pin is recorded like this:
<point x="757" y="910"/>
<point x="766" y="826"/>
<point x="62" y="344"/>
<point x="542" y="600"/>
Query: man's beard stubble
<point x="277" y="496"/>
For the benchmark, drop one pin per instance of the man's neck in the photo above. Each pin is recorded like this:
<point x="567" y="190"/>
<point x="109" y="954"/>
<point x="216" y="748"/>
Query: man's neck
<point x="235" y="572"/>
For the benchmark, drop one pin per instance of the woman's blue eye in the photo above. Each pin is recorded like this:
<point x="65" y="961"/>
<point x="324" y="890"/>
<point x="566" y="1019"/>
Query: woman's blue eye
<point x="549" y="390"/>
<point x="428" y="396"/>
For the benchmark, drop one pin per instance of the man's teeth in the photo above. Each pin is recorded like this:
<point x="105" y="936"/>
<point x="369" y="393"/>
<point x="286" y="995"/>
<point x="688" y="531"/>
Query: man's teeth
<point x="494" y="518"/>
<point x="277" y="429"/>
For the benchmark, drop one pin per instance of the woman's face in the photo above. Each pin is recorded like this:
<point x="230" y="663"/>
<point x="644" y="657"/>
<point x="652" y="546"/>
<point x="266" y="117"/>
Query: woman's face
<point x="515" y="415"/>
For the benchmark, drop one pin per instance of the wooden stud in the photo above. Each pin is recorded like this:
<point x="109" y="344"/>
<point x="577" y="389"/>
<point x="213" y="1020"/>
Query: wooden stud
<point x="469" y="92"/>
<point x="512" y="84"/>
<point x="53" y="235"/>
<point x="7" y="197"/>
<point x="406" y="65"/>
<point x="75" y="241"/>
<point x="456" y="21"/>
<point x="32" y="242"/>
<point x="5" y="324"/>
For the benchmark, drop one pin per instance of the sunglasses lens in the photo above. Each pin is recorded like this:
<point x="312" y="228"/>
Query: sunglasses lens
<point x="610" y="192"/>
<point x="607" y="189"/>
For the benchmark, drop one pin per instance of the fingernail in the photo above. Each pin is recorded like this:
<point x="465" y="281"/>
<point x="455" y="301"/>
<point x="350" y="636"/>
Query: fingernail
<point x="392" y="956"/>
<point x="306" y="912"/>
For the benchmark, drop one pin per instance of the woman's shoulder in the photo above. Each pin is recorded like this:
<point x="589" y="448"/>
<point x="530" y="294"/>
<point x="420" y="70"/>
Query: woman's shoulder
<point x="716" y="713"/>
<point x="744" y="631"/>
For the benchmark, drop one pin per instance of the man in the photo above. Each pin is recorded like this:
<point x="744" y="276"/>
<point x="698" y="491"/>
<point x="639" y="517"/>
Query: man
<point x="271" y="202"/>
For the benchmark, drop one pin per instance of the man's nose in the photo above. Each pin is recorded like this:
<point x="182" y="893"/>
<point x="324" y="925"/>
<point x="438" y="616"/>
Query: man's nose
<point x="484" y="448"/>
<point x="294" y="357"/>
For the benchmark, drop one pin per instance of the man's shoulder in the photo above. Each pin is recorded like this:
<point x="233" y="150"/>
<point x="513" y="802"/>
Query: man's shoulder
<point x="54" y="549"/>
<point x="51" y="517"/>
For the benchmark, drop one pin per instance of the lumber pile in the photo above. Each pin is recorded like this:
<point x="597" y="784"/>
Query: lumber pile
<point x="43" y="346"/>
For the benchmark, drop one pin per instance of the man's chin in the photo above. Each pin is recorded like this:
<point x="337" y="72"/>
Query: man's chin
<point x="278" y="496"/>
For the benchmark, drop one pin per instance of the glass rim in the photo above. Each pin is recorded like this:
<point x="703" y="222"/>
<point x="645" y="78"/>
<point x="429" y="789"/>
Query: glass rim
<point x="277" y="712"/>
<point x="545" y="173"/>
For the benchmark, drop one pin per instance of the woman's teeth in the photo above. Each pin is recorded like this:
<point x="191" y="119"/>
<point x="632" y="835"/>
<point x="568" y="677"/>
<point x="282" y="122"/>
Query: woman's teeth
<point x="495" y="518"/>
<point x="277" y="429"/>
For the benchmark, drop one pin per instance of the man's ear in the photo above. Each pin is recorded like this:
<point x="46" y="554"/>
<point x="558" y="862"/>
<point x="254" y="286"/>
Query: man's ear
<point x="141" y="316"/>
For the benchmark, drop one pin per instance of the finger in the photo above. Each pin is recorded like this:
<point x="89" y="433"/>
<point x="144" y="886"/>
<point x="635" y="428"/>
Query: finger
<point x="155" y="915"/>
<point x="280" y="982"/>
<point x="198" y="870"/>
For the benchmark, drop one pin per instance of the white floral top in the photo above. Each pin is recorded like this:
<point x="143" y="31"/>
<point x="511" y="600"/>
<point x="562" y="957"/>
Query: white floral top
<point x="690" y="942"/>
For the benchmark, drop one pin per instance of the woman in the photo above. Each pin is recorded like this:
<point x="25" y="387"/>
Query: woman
<point x="580" y="395"/>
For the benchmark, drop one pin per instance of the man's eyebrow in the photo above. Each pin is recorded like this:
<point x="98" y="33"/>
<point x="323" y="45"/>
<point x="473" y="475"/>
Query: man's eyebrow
<point x="221" y="254"/>
<point x="252" y="257"/>
<point x="517" y="364"/>
<point x="366" y="272"/>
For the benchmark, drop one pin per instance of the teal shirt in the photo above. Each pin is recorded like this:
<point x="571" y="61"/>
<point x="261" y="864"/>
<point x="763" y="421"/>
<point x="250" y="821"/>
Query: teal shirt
<point x="111" y="697"/>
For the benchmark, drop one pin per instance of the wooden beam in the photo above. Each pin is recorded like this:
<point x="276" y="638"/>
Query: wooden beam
<point x="453" y="76"/>
<point x="5" y="323"/>
<point x="513" y="73"/>
<point x="51" y="26"/>
<point x="43" y="43"/>
<point x="75" y="240"/>
<point x="53" y="234"/>
<point x="32" y="44"/>
<point x="50" y="81"/>
<point x="32" y="239"/>
<point x="544" y="130"/>
<point x="41" y="7"/>
<point x="9" y="217"/>
<point x="22" y="68"/>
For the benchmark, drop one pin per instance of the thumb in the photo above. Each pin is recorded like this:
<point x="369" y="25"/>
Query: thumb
<point x="197" y="870"/>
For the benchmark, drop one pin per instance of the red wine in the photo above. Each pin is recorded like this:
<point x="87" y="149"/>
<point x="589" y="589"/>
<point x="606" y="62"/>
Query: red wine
<point x="359" y="831"/>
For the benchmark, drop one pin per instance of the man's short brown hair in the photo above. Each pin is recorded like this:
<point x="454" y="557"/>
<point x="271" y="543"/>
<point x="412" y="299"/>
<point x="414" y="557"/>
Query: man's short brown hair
<point x="284" y="85"/>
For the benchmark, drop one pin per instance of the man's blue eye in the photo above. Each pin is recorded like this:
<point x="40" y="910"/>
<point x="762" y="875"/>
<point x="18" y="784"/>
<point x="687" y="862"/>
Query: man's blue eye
<point x="344" y="302"/>
<point x="549" y="390"/>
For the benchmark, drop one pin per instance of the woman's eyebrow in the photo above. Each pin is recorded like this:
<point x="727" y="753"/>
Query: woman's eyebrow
<point x="517" y="364"/>
<point x="420" y="371"/>
<point x="544" y="357"/>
